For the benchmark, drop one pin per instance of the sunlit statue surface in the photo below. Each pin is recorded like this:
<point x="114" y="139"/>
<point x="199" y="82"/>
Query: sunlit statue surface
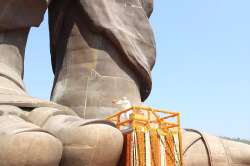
<point x="101" y="50"/>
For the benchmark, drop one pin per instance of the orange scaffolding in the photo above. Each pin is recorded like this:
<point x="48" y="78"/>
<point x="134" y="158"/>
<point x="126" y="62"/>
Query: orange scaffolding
<point x="147" y="118"/>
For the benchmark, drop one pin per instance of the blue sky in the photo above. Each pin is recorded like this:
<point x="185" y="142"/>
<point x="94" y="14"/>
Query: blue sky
<point x="202" y="68"/>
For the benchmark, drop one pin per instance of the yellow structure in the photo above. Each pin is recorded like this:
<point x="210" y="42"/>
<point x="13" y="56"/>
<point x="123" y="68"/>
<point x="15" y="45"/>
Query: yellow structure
<point x="152" y="137"/>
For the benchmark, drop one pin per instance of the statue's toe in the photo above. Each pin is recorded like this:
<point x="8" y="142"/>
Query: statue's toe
<point x="204" y="149"/>
<point x="95" y="144"/>
<point x="23" y="144"/>
<point x="34" y="148"/>
<point x="239" y="152"/>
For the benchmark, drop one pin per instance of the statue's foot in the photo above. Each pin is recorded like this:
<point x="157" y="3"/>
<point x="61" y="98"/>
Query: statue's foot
<point x="201" y="149"/>
<point x="86" y="142"/>
<point x="23" y="143"/>
<point x="239" y="152"/>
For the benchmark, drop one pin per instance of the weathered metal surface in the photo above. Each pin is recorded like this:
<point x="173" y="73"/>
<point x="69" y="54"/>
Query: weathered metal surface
<point x="101" y="51"/>
<point x="27" y="123"/>
<point x="208" y="150"/>
<point x="21" y="13"/>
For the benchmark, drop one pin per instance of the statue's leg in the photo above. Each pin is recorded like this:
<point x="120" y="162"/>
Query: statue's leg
<point x="91" y="78"/>
<point x="91" y="63"/>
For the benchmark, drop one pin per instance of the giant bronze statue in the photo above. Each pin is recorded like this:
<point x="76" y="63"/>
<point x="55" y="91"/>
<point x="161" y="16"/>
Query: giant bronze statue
<point x="101" y="50"/>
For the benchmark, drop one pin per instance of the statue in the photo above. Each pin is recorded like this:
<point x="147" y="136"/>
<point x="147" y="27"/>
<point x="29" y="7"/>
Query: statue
<point x="101" y="51"/>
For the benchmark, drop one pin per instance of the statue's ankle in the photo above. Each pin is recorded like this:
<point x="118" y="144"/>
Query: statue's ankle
<point x="12" y="48"/>
<point x="94" y="97"/>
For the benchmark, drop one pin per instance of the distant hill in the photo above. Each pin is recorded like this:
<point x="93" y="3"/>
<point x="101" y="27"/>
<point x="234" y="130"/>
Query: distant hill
<point x="238" y="140"/>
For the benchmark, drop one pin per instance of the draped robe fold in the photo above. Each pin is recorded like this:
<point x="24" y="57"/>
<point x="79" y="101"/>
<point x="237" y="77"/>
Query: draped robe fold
<point x="123" y="22"/>
<point x="15" y="14"/>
